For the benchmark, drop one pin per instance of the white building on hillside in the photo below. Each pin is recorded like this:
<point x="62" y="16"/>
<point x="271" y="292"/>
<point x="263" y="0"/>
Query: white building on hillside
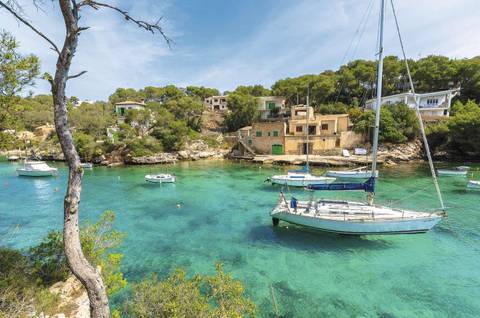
<point x="122" y="107"/>
<point x="271" y="106"/>
<point x="431" y="104"/>
<point x="216" y="102"/>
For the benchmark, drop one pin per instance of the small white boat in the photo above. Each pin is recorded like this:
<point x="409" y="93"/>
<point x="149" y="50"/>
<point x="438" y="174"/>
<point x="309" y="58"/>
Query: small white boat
<point x="160" y="178"/>
<point x="458" y="171"/>
<point x="36" y="169"/>
<point x="13" y="158"/>
<point x="473" y="184"/>
<point x="86" y="165"/>
<point x="300" y="178"/>
<point x="354" y="218"/>
<point x="359" y="173"/>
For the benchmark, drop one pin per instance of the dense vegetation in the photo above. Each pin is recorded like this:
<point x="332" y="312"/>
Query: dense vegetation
<point x="26" y="275"/>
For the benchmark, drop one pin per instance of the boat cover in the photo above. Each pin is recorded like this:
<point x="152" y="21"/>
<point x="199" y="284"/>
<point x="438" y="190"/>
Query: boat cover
<point x="367" y="186"/>
<point x="305" y="169"/>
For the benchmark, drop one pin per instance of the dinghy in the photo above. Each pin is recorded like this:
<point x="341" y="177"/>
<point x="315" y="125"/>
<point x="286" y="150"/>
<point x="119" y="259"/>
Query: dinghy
<point x="359" y="173"/>
<point x="160" y="178"/>
<point x="36" y="169"/>
<point x="86" y="165"/>
<point x="362" y="218"/>
<point x="473" y="184"/>
<point x="458" y="171"/>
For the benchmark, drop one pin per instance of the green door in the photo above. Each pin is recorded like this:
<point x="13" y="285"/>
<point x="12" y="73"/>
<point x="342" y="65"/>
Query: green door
<point x="277" y="150"/>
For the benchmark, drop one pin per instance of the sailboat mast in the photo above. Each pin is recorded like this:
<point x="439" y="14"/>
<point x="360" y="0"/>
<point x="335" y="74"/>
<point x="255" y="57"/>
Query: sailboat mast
<point x="379" y="89"/>
<point x="308" y="114"/>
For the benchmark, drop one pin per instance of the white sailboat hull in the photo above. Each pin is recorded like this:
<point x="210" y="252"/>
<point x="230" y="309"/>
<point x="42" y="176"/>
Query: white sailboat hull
<point x="351" y="174"/>
<point x="300" y="179"/>
<point x="445" y="172"/>
<point x="355" y="218"/>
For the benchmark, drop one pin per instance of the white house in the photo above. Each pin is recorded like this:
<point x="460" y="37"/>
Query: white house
<point x="216" y="102"/>
<point x="271" y="106"/>
<point x="430" y="104"/>
<point x="122" y="107"/>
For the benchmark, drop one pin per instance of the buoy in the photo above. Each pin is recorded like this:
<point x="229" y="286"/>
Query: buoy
<point x="179" y="205"/>
<point x="56" y="189"/>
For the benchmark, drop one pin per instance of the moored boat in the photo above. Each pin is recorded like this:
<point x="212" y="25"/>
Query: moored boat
<point x="300" y="179"/>
<point x="360" y="173"/>
<point x="36" y="169"/>
<point x="86" y="165"/>
<point x="160" y="178"/>
<point x="473" y="184"/>
<point x="457" y="171"/>
<point x="354" y="218"/>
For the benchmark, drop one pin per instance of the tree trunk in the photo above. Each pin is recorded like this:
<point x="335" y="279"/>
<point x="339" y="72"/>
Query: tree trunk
<point x="79" y="265"/>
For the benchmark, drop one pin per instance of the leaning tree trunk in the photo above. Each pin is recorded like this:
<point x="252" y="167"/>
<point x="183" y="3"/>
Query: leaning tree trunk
<point x="79" y="265"/>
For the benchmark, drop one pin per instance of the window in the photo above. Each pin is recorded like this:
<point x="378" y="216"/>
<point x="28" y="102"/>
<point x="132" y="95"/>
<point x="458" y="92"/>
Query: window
<point x="432" y="101"/>
<point x="324" y="126"/>
<point x="258" y="133"/>
<point x="299" y="129"/>
<point x="312" y="130"/>
<point x="268" y="134"/>
<point x="215" y="100"/>
<point x="271" y="105"/>
<point x="249" y="141"/>
<point x="275" y="133"/>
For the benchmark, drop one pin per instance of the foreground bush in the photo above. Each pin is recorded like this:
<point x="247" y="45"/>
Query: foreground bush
<point x="201" y="296"/>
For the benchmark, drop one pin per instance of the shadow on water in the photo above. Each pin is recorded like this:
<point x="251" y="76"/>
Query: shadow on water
<point x="296" y="237"/>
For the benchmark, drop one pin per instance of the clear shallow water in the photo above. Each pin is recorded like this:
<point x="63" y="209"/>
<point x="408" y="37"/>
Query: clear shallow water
<point x="224" y="217"/>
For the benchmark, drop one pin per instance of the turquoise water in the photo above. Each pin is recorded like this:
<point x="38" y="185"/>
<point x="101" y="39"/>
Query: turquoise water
<point x="223" y="215"/>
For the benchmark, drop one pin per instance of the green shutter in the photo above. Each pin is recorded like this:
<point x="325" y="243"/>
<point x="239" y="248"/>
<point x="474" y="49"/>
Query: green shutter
<point x="271" y="105"/>
<point x="275" y="133"/>
<point x="258" y="133"/>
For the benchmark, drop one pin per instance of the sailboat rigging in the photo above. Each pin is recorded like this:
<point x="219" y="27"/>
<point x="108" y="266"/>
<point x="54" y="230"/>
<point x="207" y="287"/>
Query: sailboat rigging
<point x="360" y="218"/>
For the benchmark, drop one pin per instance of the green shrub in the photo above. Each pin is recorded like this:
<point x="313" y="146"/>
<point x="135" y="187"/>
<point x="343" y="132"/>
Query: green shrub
<point x="144" y="146"/>
<point x="98" y="242"/>
<point x="201" y="296"/>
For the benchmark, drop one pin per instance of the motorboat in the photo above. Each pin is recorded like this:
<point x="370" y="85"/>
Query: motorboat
<point x="473" y="184"/>
<point x="457" y="171"/>
<point x="160" y="178"/>
<point x="36" y="169"/>
<point x="359" y="173"/>
<point x="86" y="165"/>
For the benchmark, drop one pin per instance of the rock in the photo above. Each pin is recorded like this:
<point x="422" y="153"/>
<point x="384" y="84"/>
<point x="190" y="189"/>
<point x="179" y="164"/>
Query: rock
<point x="73" y="298"/>
<point x="158" y="158"/>
<point x="183" y="154"/>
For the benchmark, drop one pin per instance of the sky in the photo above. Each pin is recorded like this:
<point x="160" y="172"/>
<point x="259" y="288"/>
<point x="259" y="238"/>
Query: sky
<point x="226" y="43"/>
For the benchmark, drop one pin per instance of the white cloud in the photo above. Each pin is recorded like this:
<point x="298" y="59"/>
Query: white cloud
<point x="293" y="38"/>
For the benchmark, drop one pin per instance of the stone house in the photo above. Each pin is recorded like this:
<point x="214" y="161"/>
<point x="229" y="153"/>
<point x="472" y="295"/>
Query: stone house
<point x="218" y="103"/>
<point x="277" y="137"/>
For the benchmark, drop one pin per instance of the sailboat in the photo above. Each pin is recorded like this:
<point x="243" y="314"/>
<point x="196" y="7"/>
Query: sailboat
<point x="362" y="218"/>
<point x="301" y="177"/>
